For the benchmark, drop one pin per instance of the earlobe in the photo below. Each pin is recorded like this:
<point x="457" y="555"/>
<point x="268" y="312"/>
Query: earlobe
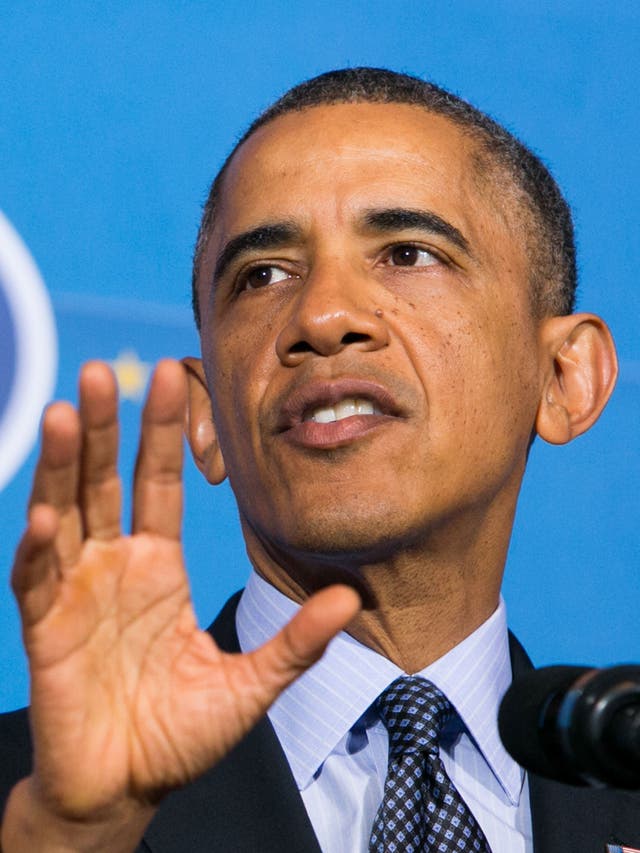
<point x="581" y="372"/>
<point x="199" y="427"/>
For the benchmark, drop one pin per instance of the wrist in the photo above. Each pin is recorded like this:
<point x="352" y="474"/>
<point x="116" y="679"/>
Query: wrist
<point x="30" y="825"/>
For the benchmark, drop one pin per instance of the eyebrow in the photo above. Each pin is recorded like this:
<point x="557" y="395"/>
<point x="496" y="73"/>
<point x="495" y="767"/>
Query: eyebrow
<point x="399" y="218"/>
<point x="273" y="235"/>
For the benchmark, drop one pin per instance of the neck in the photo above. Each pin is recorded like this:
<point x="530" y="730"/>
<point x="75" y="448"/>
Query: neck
<point x="425" y="608"/>
<point x="419" y="602"/>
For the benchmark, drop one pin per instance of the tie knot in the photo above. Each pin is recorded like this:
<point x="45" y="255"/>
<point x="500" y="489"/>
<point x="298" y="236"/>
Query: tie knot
<point x="414" y="712"/>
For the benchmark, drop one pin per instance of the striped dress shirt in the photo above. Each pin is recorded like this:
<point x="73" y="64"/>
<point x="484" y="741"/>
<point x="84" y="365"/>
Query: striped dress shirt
<point x="337" y="746"/>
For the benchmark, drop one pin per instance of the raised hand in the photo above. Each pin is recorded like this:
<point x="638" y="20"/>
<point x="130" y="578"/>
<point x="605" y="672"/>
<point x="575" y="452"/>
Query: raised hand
<point x="129" y="699"/>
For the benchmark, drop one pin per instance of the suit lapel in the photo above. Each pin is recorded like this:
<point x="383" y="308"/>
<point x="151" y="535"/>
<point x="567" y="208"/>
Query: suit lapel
<point x="248" y="802"/>
<point x="566" y="818"/>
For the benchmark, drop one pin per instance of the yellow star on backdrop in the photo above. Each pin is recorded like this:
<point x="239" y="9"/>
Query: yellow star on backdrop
<point x="132" y="374"/>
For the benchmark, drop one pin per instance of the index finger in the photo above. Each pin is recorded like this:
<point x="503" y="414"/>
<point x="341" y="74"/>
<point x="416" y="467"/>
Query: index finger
<point x="157" y="493"/>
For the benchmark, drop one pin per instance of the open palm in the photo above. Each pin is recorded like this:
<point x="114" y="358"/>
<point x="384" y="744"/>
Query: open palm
<point x="129" y="699"/>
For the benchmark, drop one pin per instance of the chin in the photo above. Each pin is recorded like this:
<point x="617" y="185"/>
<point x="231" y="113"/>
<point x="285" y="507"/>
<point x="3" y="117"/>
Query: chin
<point x="344" y="535"/>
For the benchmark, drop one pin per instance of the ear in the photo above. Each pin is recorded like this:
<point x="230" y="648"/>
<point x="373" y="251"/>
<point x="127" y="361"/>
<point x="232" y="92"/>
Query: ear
<point x="199" y="427"/>
<point x="581" y="373"/>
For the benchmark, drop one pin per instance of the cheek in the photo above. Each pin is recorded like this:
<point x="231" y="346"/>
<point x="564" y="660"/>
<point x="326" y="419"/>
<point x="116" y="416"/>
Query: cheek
<point x="240" y="366"/>
<point x="479" y="376"/>
<point x="503" y="373"/>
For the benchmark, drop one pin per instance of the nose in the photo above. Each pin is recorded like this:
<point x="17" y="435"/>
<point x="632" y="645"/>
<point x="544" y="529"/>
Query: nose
<point x="331" y="312"/>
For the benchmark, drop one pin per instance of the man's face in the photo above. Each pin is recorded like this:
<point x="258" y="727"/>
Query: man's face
<point x="368" y="340"/>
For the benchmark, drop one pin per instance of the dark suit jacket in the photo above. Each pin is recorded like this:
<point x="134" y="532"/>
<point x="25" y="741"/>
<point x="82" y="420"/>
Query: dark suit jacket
<point x="249" y="803"/>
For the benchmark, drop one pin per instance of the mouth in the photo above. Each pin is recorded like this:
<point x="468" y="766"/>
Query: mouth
<point x="346" y="408"/>
<point x="329" y="414"/>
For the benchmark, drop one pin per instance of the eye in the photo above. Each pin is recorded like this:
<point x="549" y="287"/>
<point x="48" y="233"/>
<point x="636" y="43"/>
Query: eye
<point x="408" y="255"/>
<point x="261" y="276"/>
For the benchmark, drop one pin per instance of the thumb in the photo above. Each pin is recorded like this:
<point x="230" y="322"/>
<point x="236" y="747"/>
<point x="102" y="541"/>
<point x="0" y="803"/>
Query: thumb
<point x="303" y="640"/>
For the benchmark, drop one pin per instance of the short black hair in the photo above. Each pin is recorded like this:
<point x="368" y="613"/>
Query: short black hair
<point x="548" y="226"/>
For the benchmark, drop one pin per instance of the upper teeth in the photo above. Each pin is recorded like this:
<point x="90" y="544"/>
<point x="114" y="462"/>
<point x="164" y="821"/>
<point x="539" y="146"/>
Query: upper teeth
<point x="344" y="409"/>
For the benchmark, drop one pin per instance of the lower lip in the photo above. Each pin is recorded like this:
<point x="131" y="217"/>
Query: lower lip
<point x="334" y="434"/>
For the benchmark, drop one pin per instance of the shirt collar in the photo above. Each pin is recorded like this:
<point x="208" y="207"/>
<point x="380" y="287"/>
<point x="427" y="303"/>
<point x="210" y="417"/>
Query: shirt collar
<point x="322" y="705"/>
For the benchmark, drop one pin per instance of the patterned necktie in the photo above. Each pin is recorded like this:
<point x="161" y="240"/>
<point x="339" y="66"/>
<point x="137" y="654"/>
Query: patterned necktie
<point x="421" y="810"/>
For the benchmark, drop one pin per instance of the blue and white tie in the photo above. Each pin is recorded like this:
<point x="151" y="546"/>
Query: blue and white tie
<point x="421" y="811"/>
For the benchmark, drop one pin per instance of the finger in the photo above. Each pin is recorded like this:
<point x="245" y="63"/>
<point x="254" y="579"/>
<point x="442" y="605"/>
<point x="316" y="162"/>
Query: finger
<point x="100" y="487"/>
<point x="157" y="497"/>
<point x="35" y="570"/>
<point x="55" y="481"/>
<point x="303" y="640"/>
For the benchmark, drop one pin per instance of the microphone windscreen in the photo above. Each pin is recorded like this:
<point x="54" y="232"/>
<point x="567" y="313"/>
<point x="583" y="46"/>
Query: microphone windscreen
<point x="524" y="719"/>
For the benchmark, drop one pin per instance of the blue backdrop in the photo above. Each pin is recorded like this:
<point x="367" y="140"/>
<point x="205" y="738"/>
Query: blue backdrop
<point x="113" y="119"/>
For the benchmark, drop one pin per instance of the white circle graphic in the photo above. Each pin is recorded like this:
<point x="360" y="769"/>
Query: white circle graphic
<point x="36" y="350"/>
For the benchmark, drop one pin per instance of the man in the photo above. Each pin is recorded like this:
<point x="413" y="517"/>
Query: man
<point x="383" y="282"/>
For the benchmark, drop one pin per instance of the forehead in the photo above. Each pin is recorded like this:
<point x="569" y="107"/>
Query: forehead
<point x="331" y="144"/>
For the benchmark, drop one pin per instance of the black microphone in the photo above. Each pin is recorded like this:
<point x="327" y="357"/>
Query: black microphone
<point x="575" y="724"/>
